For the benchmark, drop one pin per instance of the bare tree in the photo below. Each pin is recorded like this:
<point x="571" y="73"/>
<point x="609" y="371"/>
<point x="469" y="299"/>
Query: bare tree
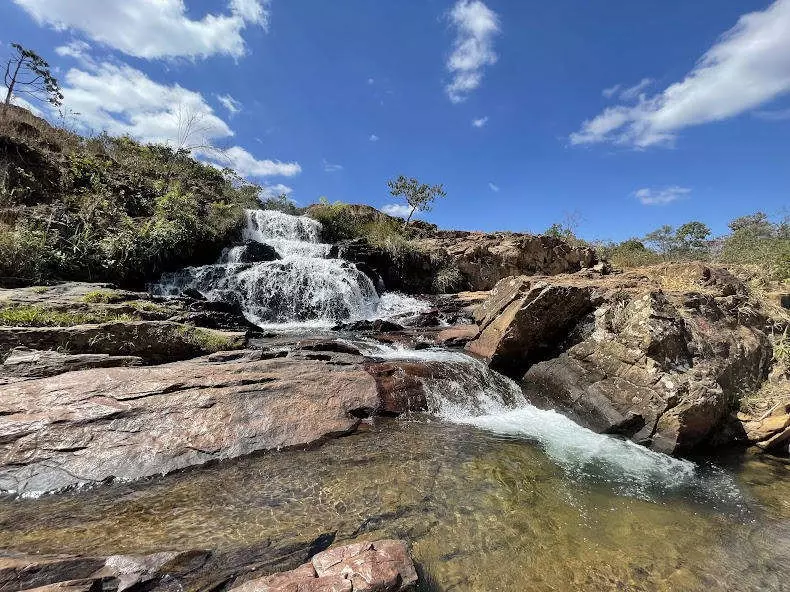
<point x="28" y="74"/>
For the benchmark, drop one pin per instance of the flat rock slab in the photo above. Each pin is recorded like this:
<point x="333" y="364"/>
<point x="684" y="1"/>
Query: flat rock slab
<point x="25" y="364"/>
<point x="126" y="423"/>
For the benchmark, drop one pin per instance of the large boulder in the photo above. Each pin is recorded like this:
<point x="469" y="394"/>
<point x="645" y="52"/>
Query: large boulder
<point x="523" y="319"/>
<point x="622" y="355"/>
<point x="126" y="423"/>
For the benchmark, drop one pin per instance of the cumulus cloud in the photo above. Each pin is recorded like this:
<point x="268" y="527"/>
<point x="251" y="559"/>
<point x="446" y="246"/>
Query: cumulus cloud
<point x="153" y="29"/>
<point x="122" y="100"/>
<point x="373" y="138"/>
<point x="660" y="197"/>
<point x="475" y="26"/>
<point x="232" y="105"/>
<point x="749" y="66"/>
<point x="480" y="122"/>
<point x="493" y="187"/>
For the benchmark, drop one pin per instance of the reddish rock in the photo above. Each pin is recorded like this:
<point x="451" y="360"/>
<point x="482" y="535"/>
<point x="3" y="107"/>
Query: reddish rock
<point x="380" y="566"/>
<point x="127" y="423"/>
<point x="458" y="335"/>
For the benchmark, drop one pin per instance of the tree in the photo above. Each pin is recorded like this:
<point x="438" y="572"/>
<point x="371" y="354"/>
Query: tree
<point x="418" y="195"/>
<point x="27" y="73"/>
<point x="756" y="225"/>
<point x="691" y="240"/>
<point x="662" y="239"/>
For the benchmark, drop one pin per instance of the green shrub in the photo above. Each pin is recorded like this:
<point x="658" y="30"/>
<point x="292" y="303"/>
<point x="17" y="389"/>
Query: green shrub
<point x="102" y="296"/>
<point x="108" y="209"/>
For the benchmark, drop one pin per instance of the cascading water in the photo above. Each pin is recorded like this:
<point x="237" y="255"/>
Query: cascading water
<point x="467" y="392"/>
<point x="303" y="287"/>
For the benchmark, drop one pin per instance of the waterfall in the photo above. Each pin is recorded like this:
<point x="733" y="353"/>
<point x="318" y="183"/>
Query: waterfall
<point x="466" y="391"/>
<point x="302" y="288"/>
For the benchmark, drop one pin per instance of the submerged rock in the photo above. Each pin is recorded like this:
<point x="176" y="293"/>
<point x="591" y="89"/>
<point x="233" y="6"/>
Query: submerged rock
<point x="664" y="368"/>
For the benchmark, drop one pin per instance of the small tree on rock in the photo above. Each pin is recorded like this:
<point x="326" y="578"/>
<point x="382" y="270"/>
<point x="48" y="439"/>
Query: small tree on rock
<point x="27" y="73"/>
<point x="418" y="195"/>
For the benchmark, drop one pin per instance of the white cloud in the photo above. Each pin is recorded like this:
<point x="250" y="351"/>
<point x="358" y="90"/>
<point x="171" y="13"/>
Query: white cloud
<point x="332" y="168"/>
<point x="773" y="115"/>
<point x="660" y="197"/>
<point x="749" y="66"/>
<point x="633" y="92"/>
<point x="75" y="49"/>
<point x="611" y="91"/>
<point x="122" y="100"/>
<point x="268" y="191"/>
<point x="480" y="122"/>
<point x="232" y="105"/>
<point x="371" y="81"/>
<point x="244" y="163"/>
<point x="153" y="28"/>
<point x="476" y="26"/>
<point x="493" y="187"/>
<point x="400" y="210"/>
<point x="373" y="138"/>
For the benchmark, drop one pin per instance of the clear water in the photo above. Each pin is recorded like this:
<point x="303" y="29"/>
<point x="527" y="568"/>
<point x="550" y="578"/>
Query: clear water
<point x="483" y="512"/>
<point x="302" y="289"/>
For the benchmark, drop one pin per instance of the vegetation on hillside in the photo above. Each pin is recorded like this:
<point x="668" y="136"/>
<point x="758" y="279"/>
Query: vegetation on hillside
<point x="107" y="208"/>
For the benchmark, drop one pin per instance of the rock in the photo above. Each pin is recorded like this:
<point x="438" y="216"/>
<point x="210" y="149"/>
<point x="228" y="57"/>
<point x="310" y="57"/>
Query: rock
<point x="458" y="335"/>
<point x="621" y="355"/>
<point x="23" y="572"/>
<point x="523" y="319"/>
<point x="411" y="272"/>
<point x="154" y="341"/>
<point x="380" y="566"/>
<point x="23" y="363"/>
<point x="484" y="259"/>
<point x="255" y="252"/>
<point x="376" y="326"/>
<point x="126" y="423"/>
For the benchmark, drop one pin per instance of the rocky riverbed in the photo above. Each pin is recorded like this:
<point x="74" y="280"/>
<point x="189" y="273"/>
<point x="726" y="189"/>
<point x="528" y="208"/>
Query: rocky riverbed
<point x="188" y="438"/>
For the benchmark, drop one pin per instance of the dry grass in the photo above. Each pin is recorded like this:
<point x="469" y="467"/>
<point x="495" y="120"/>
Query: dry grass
<point x="678" y="277"/>
<point x="771" y="394"/>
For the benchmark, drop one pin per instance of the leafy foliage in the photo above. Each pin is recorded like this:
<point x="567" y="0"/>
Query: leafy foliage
<point x="108" y="209"/>
<point x="419" y="196"/>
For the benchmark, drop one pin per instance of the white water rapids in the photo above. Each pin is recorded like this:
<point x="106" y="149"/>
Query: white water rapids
<point x="303" y="288"/>
<point x="470" y="393"/>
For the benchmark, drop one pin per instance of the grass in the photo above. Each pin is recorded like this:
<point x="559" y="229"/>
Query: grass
<point x="38" y="316"/>
<point x="209" y="340"/>
<point x="102" y="296"/>
<point x="146" y="306"/>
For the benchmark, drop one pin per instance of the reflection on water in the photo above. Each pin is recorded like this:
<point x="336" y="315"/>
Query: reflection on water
<point x="483" y="513"/>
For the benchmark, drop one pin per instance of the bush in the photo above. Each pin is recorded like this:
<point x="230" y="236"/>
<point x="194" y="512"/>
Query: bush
<point x="108" y="209"/>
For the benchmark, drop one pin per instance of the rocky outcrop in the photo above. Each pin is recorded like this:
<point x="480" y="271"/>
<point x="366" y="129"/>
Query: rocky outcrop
<point x="622" y="355"/>
<point x="23" y="363"/>
<point x="126" y="423"/>
<point x="154" y="341"/>
<point x="380" y="566"/>
<point x="484" y="259"/>
<point x="255" y="252"/>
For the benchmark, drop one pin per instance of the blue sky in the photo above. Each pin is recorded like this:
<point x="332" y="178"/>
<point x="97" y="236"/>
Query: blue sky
<point x="625" y="115"/>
